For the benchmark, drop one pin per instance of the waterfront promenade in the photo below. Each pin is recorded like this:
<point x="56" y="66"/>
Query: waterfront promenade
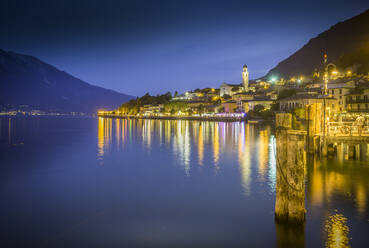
<point x="234" y="118"/>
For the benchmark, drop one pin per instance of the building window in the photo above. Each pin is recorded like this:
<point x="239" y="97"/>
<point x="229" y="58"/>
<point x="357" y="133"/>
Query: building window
<point x="366" y="98"/>
<point x="357" y="97"/>
<point x="340" y="91"/>
<point x="366" y="105"/>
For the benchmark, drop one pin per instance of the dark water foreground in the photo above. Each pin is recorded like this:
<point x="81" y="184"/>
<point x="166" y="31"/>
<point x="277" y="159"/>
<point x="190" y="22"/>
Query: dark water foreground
<point x="161" y="183"/>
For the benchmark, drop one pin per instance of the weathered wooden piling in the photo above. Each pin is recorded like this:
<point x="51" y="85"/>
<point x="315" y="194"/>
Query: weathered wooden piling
<point x="314" y="128"/>
<point x="291" y="160"/>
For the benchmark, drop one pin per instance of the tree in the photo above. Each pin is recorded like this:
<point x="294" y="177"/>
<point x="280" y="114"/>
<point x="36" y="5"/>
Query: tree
<point x="133" y="106"/>
<point x="200" y="109"/>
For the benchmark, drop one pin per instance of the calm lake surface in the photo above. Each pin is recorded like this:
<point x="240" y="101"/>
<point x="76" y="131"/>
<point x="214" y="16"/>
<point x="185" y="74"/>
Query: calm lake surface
<point x="93" y="182"/>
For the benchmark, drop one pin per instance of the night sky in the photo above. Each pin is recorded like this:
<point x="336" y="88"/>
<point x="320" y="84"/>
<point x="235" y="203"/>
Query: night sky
<point x="136" y="47"/>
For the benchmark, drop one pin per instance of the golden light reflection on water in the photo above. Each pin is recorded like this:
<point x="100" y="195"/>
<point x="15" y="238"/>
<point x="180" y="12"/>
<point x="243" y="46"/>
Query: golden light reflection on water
<point x="329" y="180"/>
<point x="244" y="157"/>
<point x="213" y="141"/>
<point x="272" y="172"/>
<point x="200" y="145"/>
<point x="146" y="133"/>
<point x="337" y="231"/>
<point x="105" y="126"/>
<point x="168" y="131"/>
<point x="101" y="138"/>
<point x="181" y="144"/>
<point x="215" y="136"/>
<point x="263" y="150"/>
<point x="118" y="132"/>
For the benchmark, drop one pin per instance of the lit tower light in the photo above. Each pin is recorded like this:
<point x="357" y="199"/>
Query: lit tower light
<point x="326" y="73"/>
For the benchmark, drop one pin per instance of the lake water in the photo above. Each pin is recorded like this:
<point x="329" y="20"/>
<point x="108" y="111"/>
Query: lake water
<point x="93" y="182"/>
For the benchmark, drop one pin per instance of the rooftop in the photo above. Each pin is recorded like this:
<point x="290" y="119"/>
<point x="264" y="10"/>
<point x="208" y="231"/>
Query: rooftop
<point x="306" y="96"/>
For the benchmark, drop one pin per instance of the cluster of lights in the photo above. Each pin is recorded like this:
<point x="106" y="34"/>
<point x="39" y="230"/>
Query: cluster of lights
<point x="274" y="79"/>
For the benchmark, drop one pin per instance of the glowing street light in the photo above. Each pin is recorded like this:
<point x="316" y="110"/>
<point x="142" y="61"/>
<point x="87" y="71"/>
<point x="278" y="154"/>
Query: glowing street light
<point x="300" y="79"/>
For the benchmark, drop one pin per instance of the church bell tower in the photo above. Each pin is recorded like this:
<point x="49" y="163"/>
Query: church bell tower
<point x="245" y="78"/>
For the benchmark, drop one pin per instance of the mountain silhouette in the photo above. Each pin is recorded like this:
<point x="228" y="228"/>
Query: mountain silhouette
<point x="346" y="44"/>
<point x="26" y="80"/>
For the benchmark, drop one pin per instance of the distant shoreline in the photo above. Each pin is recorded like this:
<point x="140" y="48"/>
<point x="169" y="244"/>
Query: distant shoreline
<point x="192" y="118"/>
<point x="189" y="118"/>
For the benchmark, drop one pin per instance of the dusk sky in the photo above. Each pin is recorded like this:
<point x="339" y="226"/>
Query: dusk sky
<point x="136" y="47"/>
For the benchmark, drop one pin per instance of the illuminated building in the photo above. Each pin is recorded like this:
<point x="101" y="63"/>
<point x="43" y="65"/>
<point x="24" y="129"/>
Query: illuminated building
<point x="247" y="105"/>
<point x="230" y="106"/>
<point x="339" y="92"/>
<point x="228" y="89"/>
<point x="358" y="100"/>
<point x="245" y="78"/>
<point x="243" y="96"/>
<point x="301" y="100"/>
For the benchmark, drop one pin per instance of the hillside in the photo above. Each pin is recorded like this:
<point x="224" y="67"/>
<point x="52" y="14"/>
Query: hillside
<point x="343" y="42"/>
<point x="26" y="80"/>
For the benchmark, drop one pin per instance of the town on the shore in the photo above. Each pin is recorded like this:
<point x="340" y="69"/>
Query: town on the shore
<point x="344" y="93"/>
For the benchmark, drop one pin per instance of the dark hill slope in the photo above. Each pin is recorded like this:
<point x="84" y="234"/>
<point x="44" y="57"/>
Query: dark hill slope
<point x="343" y="39"/>
<point x="26" y="80"/>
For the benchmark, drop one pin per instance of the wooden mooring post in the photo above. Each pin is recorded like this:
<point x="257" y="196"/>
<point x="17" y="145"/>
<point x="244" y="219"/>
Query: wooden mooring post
<point x="291" y="161"/>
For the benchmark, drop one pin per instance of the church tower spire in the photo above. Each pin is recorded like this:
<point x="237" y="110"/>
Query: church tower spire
<point x="245" y="78"/>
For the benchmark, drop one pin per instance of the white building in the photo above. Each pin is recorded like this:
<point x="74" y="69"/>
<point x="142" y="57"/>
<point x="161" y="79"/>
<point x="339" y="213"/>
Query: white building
<point x="227" y="89"/>
<point x="339" y="91"/>
<point x="245" y="78"/>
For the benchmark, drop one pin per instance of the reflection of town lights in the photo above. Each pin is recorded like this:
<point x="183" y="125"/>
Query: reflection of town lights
<point x="337" y="231"/>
